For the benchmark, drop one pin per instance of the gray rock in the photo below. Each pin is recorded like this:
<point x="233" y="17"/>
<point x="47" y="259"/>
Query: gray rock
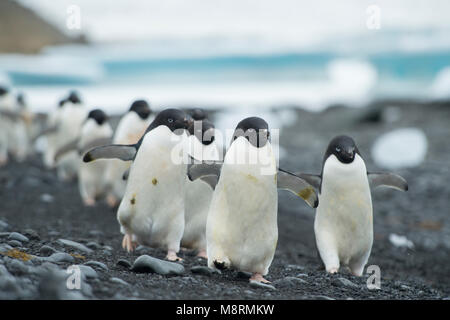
<point x="33" y="235"/>
<point x="9" y="289"/>
<point x="119" y="281"/>
<point x="294" y="267"/>
<point x="18" y="236"/>
<point x="87" y="271"/>
<point x="97" y="264"/>
<point x="301" y="275"/>
<point x="320" y="297"/>
<point x="93" y="245"/>
<point x="108" y="248"/>
<point x="96" y="233"/>
<point x="15" y="243"/>
<point x="342" y="281"/>
<point x="17" y="267"/>
<point x="60" y="257"/>
<point x="47" y="250"/>
<point x="146" y="263"/>
<point x="4" y="234"/>
<point x="260" y="285"/>
<point x="291" y="282"/>
<point x="204" y="270"/>
<point x="53" y="286"/>
<point x="54" y="233"/>
<point x="75" y="245"/>
<point x="3" y="225"/>
<point x="124" y="263"/>
<point x="5" y="247"/>
<point x="48" y="198"/>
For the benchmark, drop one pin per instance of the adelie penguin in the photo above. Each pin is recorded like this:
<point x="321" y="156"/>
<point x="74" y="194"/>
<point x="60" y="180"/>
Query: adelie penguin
<point x="95" y="131"/>
<point x="241" y="229"/>
<point x="343" y="223"/>
<point x="130" y="129"/>
<point x="151" y="212"/>
<point x="202" y="146"/>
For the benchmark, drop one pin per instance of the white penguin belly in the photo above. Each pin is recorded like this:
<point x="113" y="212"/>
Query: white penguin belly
<point x="152" y="208"/>
<point x="344" y="221"/>
<point x="242" y="222"/>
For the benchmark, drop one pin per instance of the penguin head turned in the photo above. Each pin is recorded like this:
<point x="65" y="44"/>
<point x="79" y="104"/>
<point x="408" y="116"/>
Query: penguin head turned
<point x="174" y="119"/>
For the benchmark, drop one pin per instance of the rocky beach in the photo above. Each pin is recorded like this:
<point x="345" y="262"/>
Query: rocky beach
<point x="45" y="229"/>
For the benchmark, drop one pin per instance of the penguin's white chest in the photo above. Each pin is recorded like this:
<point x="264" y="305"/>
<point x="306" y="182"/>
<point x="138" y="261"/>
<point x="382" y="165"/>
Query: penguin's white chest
<point x="153" y="204"/>
<point x="242" y="222"/>
<point x="344" y="220"/>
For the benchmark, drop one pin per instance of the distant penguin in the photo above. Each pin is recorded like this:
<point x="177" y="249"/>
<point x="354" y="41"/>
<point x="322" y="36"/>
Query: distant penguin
<point x="202" y="146"/>
<point x="13" y="127"/>
<point x="91" y="175"/>
<point x="70" y="120"/>
<point x="343" y="223"/>
<point x="197" y="114"/>
<point x="241" y="229"/>
<point x="22" y="129"/>
<point x="130" y="129"/>
<point x="151" y="212"/>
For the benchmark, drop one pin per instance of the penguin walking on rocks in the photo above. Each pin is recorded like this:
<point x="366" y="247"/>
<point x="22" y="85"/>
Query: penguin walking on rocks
<point x="72" y="117"/>
<point x="343" y="223"/>
<point x="151" y="212"/>
<point x="241" y="229"/>
<point x="130" y="129"/>
<point x="202" y="146"/>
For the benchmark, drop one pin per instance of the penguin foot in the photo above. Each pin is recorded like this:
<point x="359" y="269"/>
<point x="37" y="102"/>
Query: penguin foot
<point x="89" y="202"/>
<point x="202" y="254"/>
<point x="128" y="244"/>
<point x="257" y="277"/>
<point x="333" y="270"/>
<point x="111" y="201"/>
<point x="172" y="256"/>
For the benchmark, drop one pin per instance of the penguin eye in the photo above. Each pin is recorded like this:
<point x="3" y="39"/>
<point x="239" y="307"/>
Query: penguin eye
<point x="170" y="120"/>
<point x="338" y="149"/>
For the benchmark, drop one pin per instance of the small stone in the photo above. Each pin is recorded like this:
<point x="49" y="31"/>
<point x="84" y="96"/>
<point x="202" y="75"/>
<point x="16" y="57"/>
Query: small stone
<point x="294" y="267"/>
<point x="345" y="282"/>
<point x="108" y="248"/>
<point x="75" y="245"/>
<point x="18" y="236"/>
<point x="96" y="264"/>
<point x="17" y="267"/>
<point x="204" y="270"/>
<point x="47" y="250"/>
<point x="48" y="198"/>
<point x="53" y="233"/>
<point x="146" y="263"/>
<point x="87" y="271"/>
<point x="119" y="281"/>
<point x="260" y="285"/>
<point x="290" y="282"/>
<point x="33" y="235"/>
<point x="301" y="275"/>
<point x="124" y="263"/>
<point x="3" y="225"/>
<point x="60" y="257"/>
<point x="15" y="243"/>
<point x="93" y="245"/>
<point x="96" y="233"/>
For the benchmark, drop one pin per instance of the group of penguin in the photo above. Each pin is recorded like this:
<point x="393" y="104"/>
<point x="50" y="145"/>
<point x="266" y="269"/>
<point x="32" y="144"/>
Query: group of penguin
<point x="175" y="189"/>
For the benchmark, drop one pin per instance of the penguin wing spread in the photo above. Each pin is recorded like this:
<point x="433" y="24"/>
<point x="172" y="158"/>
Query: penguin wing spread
<point x="112" y="151"/>
<point x="312" y="179"/>
<point x="70" y="146"/>
<point x="207" y="168"/>
<point x="291" y="182"/>
<point x="387" y="179"/>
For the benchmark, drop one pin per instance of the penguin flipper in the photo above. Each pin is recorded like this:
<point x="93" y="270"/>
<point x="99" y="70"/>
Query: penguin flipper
<point x="386" y="179"/>
<point x="70" y="146"/>
<point x="113" y="151"/>
<point x="45" y="131"/>
<point x="11" y="115"/>
<point x="290" y="182"/>
<point x="211" y="180"/>
<point x="206" y="168"/>
<point x="312" y="179"/>
<point x="95" y="143"/>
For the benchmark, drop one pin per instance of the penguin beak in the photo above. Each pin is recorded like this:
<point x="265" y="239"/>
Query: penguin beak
<point x="350" y="153"/>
